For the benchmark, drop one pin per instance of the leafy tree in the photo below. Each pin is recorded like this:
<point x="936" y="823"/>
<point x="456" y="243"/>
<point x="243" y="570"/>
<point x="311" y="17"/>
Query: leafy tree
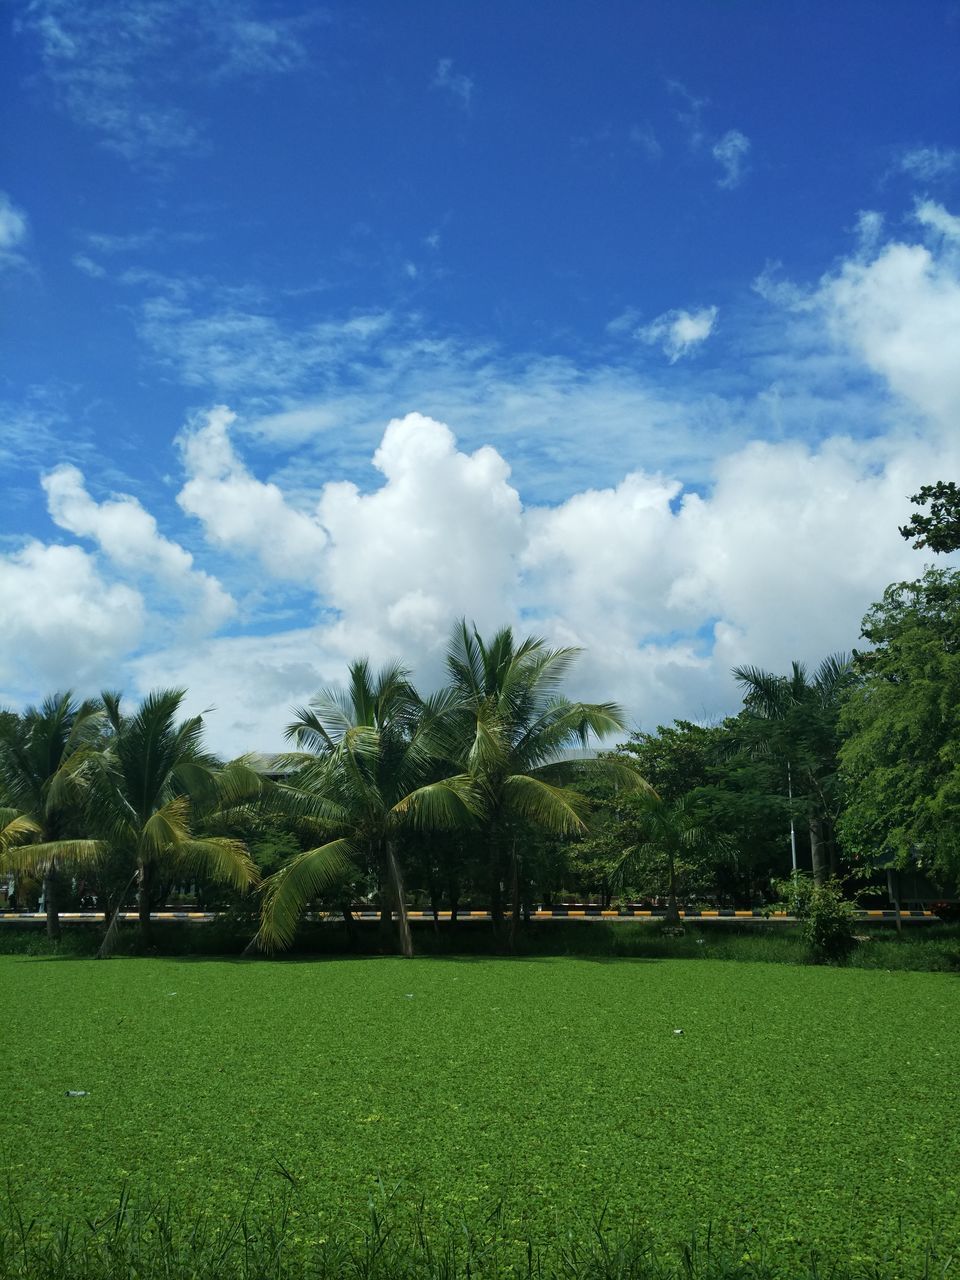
<point x="513" y="732"/>
<point x="370" y="775"/>
<point x="41" y="756"/>
<point x="901" y="754"/>
<point x="940" y="530"/>
<point x="794" y="719"/>
<point x="148" y="789"/>
<point x="666" y="842"/>
<point x="731" y="789"/>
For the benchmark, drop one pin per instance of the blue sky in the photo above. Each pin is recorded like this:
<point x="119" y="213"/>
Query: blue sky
<point x="634" y="325"/>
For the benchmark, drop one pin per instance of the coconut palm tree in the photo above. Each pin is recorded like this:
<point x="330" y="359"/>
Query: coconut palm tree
<point x="794" y="718"/>
<point x="667" y="830"/>
<point x="146" y="792"/>
<point x="513" y="732"/>
<point x="42" y="758"/>
<point x="366" y="772"/>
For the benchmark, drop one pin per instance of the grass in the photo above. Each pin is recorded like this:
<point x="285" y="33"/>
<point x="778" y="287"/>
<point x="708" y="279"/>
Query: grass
<point x="802" y="1109"/>
<point x="926" y="947"/>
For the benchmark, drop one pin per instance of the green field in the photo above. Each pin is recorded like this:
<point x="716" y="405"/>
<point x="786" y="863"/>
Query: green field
<point x="816" y="1105"/>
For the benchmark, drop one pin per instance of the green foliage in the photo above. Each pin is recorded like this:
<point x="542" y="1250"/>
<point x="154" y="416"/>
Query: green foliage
<point x="367" y="773"/>
<point x="901" y="756"/>
<point x="552" y="1088"/>
<point x="940" y="530"/>
<point x="734" y="794"/>
<point x="794" y="720"/>
<point x="827" y="919"/>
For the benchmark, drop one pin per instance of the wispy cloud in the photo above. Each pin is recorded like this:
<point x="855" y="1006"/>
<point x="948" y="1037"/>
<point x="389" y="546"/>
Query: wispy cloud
<point x="115" y="67"/>
<point x="14" y="231"/>
<point x="929" y="163"/>
<point x="689" y="112"/>
<point x="679" y="332"/>
<point x="645" y="140"/>
<point x="731" y="152"/>
<point x="459" y="86"/>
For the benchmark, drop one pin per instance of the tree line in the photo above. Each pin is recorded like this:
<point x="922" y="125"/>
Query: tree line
<point x="488" y="792"/>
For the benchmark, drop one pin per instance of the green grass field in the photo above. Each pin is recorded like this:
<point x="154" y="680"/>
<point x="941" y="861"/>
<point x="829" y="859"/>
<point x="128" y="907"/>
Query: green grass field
<point x="817" y="1106"/>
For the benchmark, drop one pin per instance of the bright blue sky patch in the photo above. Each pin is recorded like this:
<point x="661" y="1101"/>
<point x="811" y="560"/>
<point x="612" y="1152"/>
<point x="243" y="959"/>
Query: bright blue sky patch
<point x="633" y="324"/>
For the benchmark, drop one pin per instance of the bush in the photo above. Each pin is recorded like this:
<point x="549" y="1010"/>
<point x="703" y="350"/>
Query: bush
<point x="827" y="920"/>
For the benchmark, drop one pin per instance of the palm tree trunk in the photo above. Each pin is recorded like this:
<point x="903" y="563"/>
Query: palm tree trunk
<point x="113" y="925"/>
<point x="818" y="850"/>
<point x="396" y="883"/>
<point x="50" y="880"/>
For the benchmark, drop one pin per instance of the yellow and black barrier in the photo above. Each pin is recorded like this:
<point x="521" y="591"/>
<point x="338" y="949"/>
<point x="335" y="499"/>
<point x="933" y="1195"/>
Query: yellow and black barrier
<point x="541" y="913"/>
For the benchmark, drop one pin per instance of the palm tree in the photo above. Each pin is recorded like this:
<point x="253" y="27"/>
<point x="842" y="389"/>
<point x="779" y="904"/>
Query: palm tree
<point x="514" y="731"/>
<point x="147" y="790"/>
<point x="794" y="718"/>
<point x="42" y="755"/>
<point x="367" y="773"/>
<point x="671" y="831"/>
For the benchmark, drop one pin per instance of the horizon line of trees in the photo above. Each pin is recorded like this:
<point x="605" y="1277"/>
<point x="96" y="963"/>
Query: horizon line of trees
<point x="473" y="793"/>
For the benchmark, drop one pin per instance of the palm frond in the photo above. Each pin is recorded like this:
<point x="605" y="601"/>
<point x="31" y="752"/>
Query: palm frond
<point x="443" y="805"/>
<point x="559" y="810"/>
<point x="226" y="861"/>
<point x="288" y="893"/>
<point x="34" y="857"/>
<point x="167" y="829"/>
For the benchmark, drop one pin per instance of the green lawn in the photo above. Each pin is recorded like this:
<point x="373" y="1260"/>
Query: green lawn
<point x="814" y="1104"/>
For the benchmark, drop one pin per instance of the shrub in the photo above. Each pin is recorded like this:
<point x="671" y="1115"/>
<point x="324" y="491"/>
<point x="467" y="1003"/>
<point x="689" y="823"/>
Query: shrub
<point x="827" y="920"/>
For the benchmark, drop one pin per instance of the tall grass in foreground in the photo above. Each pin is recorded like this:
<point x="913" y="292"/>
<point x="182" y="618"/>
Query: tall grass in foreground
<point x="158" y="1241"/>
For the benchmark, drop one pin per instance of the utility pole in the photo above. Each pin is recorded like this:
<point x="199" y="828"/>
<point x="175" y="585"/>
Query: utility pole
<point x="793" y="833"/>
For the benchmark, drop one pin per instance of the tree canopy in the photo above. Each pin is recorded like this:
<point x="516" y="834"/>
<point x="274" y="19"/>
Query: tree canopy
<point x="939" y="529"/>
<point x="900" y="757"/>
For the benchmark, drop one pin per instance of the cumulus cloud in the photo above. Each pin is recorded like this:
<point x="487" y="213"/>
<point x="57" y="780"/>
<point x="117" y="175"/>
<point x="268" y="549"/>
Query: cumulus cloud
<point x="240" y="513"/>
<point x="438" y="538"/>
<point x="679" y="332"/>
<point x="666" y="589"/>
<point x="129" y="537"/>
<point x="459" y="86"/>
<point x="731" y="152"/>
<point x="62" y="625"/>
<point x="898" y="309"/>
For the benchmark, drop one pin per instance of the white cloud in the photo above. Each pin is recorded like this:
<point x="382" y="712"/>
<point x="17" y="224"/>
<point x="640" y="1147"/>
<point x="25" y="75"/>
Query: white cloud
<point x="898" y="309"/>
<point x="929" y="163"/>
<point x="731" y="153"/>
<point x="240" y="513"/>
<point x="459" y="86"/>
<point x="129" y="537"/>
<point x="679" y="332"/>
<point x="14" y="230"/>
<point x="438" y="538"/>
<point x="930" y="214"/>
<point x="665" y="590"/>
<point x="62" y="624"/>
